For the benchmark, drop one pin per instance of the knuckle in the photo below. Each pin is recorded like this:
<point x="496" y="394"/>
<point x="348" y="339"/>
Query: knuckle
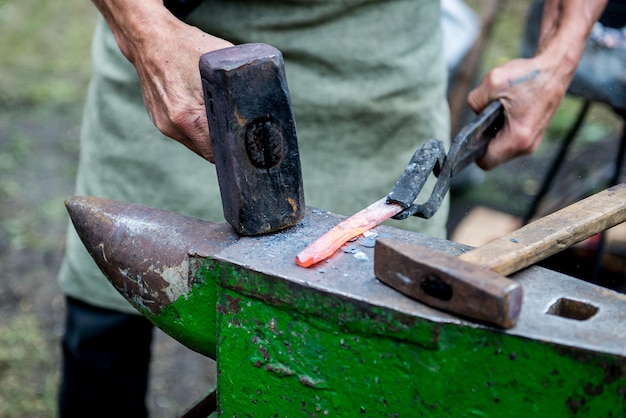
<point x="525" y="142"/>
<point x="496" y="77"/>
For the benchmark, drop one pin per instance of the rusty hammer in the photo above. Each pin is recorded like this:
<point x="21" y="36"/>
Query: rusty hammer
<point x="473" y="285"/>
<point x="253" y="135"/>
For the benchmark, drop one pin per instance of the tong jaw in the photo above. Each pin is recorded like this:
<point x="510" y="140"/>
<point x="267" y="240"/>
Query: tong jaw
<point x="467" y="147"/>
<point x="428" y="159"/>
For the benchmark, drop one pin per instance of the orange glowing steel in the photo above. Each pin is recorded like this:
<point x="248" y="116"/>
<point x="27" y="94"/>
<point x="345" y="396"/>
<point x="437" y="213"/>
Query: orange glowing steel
<point x="355" y="225"/>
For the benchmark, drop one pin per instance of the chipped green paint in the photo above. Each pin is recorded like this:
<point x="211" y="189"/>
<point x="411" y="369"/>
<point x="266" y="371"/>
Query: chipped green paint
<point x="191" y="319"/>
<point x="286" y="350"/>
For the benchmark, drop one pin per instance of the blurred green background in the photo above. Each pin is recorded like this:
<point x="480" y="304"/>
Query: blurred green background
<point x="45" y="69"/>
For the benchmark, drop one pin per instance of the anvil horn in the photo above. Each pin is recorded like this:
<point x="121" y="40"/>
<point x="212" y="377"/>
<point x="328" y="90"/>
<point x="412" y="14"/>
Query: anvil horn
<point x="150" y="256"/>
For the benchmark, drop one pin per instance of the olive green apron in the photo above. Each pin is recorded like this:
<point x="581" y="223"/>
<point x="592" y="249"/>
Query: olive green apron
<point x="367" y="81"/>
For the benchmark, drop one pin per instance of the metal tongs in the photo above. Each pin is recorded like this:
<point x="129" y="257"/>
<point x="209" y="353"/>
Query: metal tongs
<point x="467" y="147"/>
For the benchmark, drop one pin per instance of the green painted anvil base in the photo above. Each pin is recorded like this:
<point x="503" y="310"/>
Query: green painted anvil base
<point x="332" y="340"/>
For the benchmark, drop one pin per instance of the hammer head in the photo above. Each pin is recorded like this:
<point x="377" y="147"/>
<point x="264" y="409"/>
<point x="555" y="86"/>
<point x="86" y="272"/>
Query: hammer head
<point x="253" y="135"/>
<point x="446" y="282"/>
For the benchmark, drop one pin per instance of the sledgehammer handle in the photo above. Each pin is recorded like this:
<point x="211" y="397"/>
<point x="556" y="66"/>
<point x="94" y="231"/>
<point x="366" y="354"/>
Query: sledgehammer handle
<point x="553" y="233"/>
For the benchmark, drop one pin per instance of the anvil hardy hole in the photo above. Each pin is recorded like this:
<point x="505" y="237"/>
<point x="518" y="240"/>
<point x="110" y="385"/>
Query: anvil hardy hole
<point x="264" y="143"/>
<point x="435" y="287"/>
<point x="572" y="309"/>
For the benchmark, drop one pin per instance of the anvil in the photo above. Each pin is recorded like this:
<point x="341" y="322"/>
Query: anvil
<point x="333" y="340"/>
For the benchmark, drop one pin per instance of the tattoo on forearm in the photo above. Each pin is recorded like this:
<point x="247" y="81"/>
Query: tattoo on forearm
<point x="528" y="77"/>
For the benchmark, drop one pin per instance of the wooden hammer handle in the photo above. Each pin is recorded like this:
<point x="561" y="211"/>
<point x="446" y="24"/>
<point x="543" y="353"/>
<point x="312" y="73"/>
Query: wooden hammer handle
<point x="553" y="233"/>
<point x="473" y="285"/>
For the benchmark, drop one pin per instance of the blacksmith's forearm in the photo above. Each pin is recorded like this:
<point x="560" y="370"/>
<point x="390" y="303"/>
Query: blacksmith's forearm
<point x="135" y="22"/>
<point x="568" y="22"/>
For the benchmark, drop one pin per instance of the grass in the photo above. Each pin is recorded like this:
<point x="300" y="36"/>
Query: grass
<point x="24" y="393"/>
<point x="45" y="48"/>
<point x="45" y="70"/>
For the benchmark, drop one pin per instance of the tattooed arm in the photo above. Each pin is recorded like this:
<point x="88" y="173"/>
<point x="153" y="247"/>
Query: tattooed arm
<point x="532" y="89"/>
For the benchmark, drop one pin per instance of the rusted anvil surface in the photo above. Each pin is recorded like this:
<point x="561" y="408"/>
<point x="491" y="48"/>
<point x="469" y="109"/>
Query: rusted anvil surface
<point x="334" y="340"/>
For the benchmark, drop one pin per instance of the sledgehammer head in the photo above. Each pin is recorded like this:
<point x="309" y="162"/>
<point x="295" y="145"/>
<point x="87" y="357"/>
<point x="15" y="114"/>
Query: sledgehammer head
<point x="253" y="136"/>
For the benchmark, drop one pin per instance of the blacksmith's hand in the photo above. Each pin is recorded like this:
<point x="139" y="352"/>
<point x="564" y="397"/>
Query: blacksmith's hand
<point x="532" y="89"/>
<point x="165" y="51"/>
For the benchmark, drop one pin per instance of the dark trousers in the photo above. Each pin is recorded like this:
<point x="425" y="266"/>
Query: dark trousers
<point x="106" y="357"/>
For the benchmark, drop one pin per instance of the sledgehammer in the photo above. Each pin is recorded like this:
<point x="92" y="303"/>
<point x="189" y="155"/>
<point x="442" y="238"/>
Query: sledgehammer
<point x="253" y="135"/>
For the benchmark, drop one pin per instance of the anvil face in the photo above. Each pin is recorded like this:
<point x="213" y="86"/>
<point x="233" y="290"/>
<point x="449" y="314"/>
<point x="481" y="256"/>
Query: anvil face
<point x="155" y="258"/>
<point x="292" y="341"/>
